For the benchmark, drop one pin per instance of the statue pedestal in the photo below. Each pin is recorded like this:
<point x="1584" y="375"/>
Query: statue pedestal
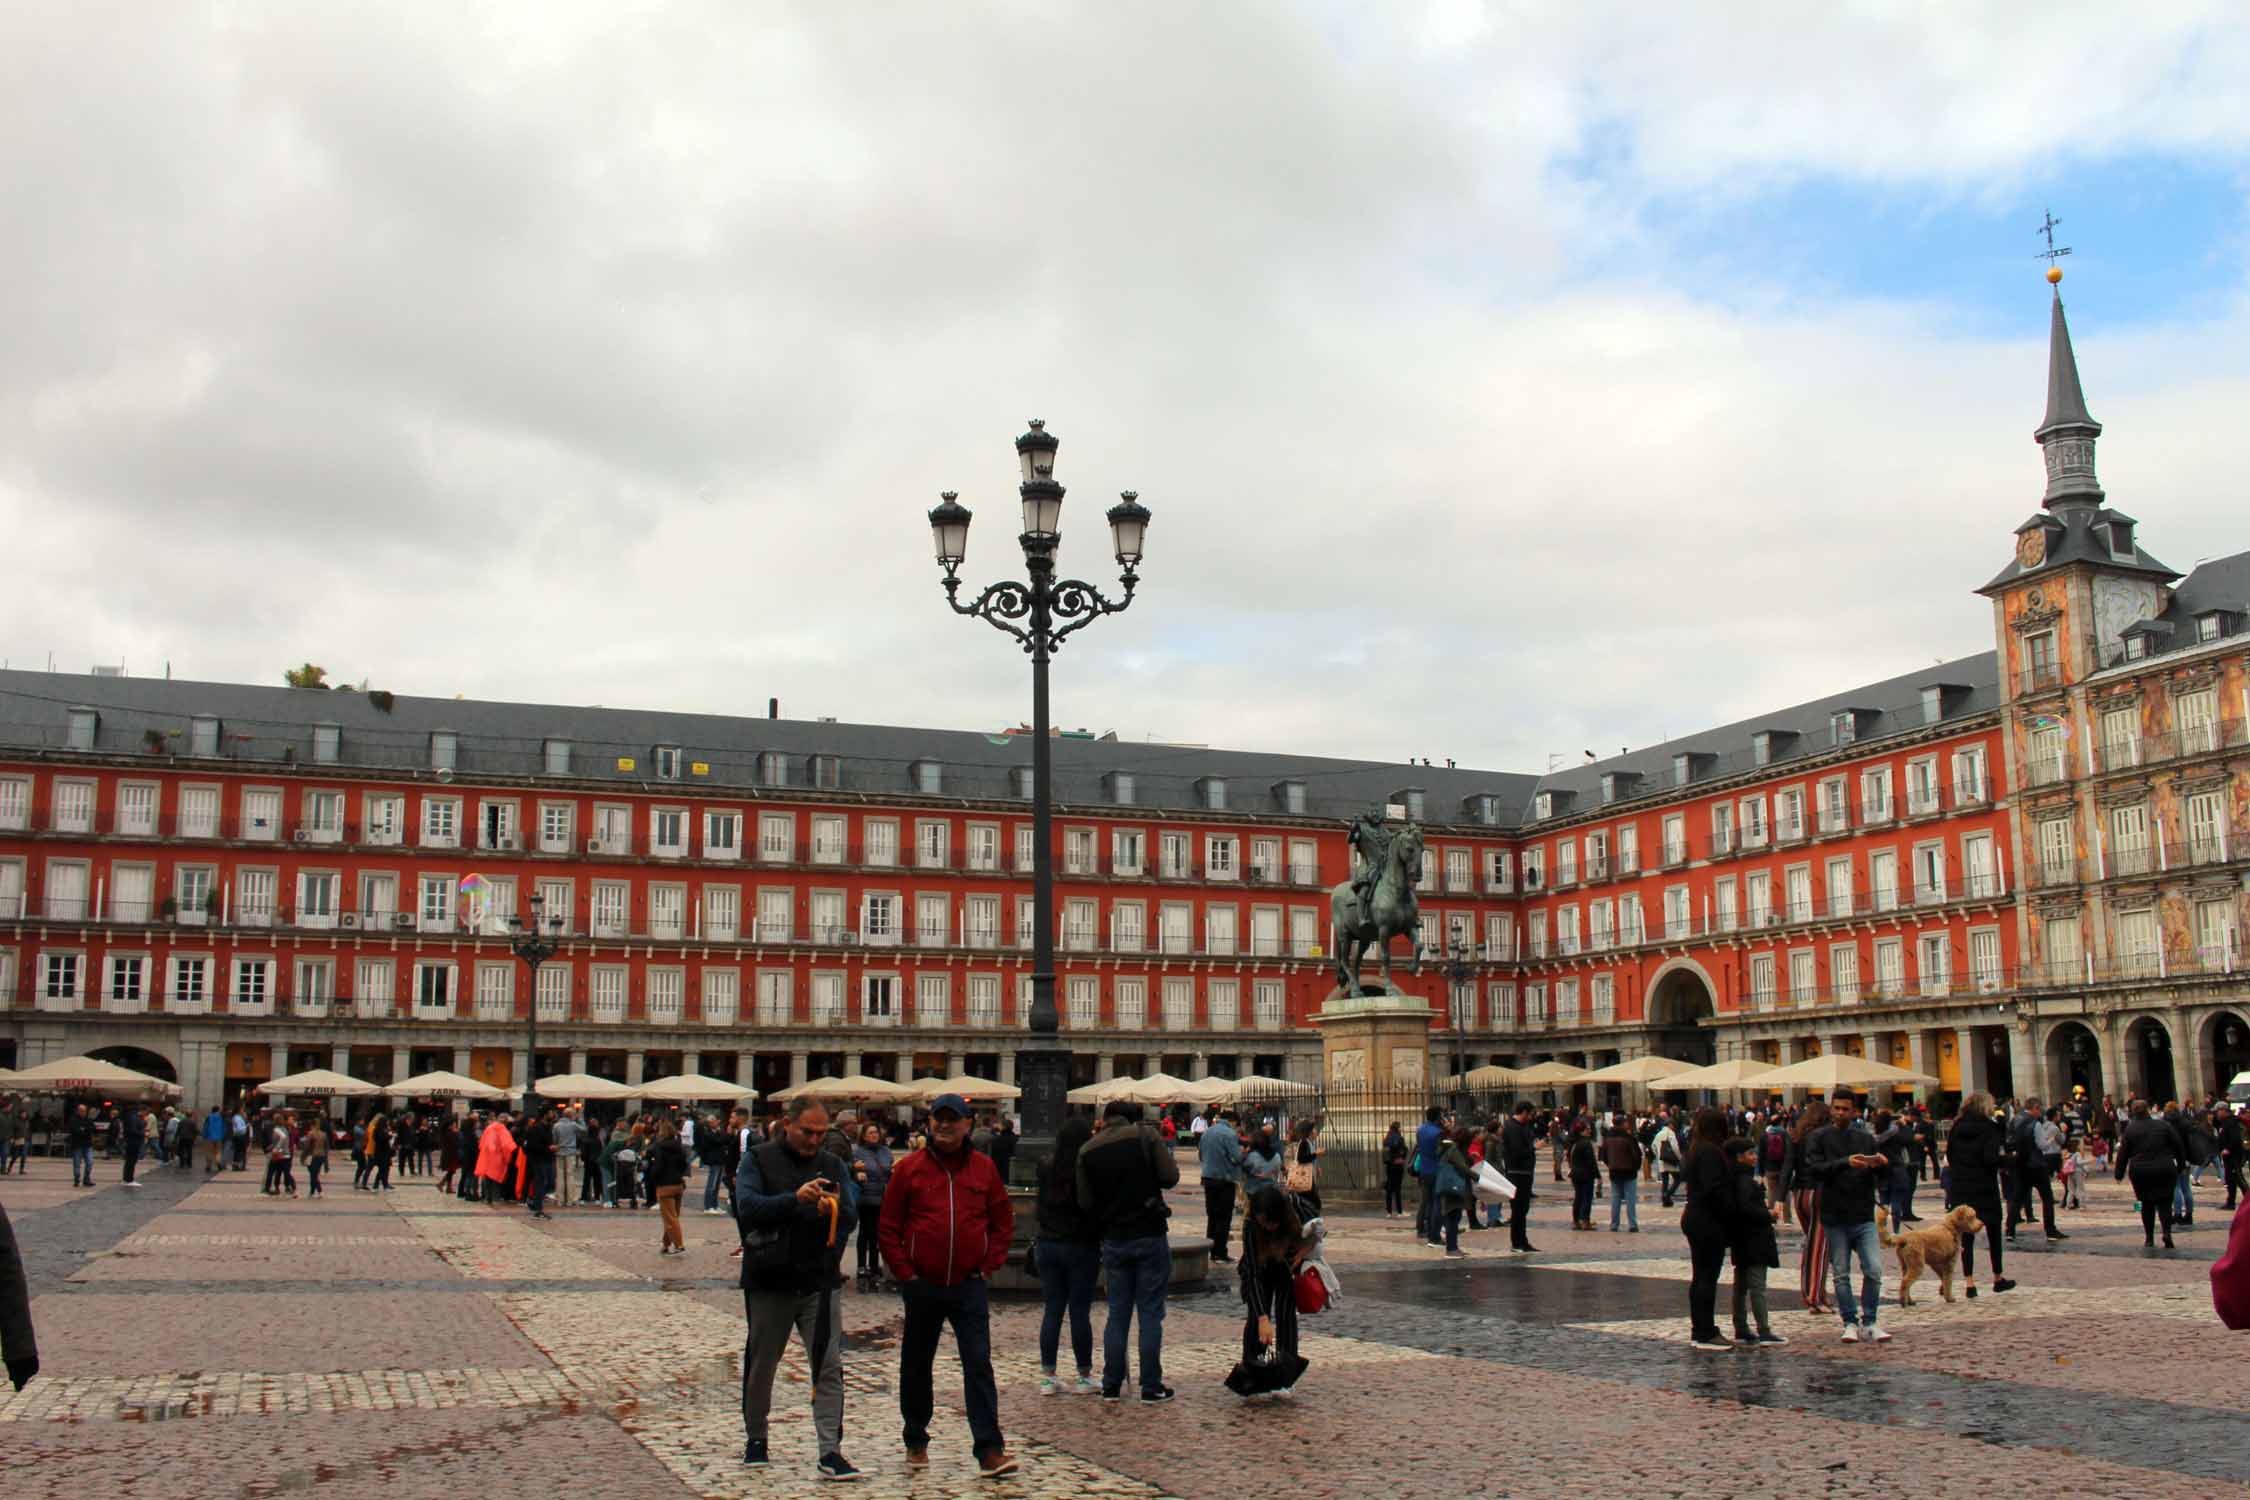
<point x="1375" y="1068"/>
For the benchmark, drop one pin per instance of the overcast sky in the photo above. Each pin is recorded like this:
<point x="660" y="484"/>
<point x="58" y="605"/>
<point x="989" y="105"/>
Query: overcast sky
<point x="1505" y="380"/>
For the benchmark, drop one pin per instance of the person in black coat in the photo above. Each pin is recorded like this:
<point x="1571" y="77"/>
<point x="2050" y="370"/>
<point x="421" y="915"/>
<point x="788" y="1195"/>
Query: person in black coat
<point x="1068" y="1255"/>
<point x="1519" y="1161"/>
<point x="1974" y="1151"/>
<point x="1585" y="1170"/>
<point x="1754" y="1246"/>
<point x="18" y="1348"/>
<point x="2151" y="1153"/>
<point x="1708" y="1177"/>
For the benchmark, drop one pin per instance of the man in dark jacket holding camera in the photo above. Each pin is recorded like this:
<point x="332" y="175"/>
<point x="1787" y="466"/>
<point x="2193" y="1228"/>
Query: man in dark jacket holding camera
<point x="796" y="1207"/>
<point x="1122" y="1175"/>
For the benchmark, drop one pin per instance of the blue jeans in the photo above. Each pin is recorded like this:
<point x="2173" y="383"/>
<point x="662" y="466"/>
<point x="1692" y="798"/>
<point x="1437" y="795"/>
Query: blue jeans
<point x="928" y="1309"/>
<point x="714" y="1173"/>
<point x="81" y="1165"/>
<point x="1426" y="1221"/>
<point x="1067" y="1272"/>
<point x="1845" y="1241"/>
<point x="1138" y="1272"/>
<point x="2183" y="1200"/>
<point x="1624" y="1193"/>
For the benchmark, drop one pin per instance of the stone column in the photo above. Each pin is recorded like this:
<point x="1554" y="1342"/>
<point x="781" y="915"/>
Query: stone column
<point x="2023" y="1063"/>
<point x="1199" y="1068"/>
<point x="800" y="1067"/>
<point x="1105" y="1066"/>
<point x="745" y="1068"/>
<point x="1007" y="1067"/>
<point x="1975" y="1076"/>
<point x="1922" y="1057"/>
<point x="2112" y="1043"/>
<point x="635" y="1062"/>
<point x="399" y="1063"/>
<point x="461" y="1061"/>
<point x="902" y="1067"/>
<point x="519" y="1075"/>
<point x="956" y="1063"/>
<point x="340" y="1058"/>
<point x="2187" y="1058"/>
<point x="578" y="1059"/>
<point x="279" y="1065"/>
<point x="1873" y="1046"/>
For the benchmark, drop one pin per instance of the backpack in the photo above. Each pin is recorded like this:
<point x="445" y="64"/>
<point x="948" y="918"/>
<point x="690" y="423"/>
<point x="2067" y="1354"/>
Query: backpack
<point x="1777" y="1148"/>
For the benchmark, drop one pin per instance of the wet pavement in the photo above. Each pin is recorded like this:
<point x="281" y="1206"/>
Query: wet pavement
<point x="199" y="1338"/>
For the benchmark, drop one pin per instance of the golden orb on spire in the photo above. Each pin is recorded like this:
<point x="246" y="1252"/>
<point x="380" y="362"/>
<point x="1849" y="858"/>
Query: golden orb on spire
<point x="2054" y="275"/>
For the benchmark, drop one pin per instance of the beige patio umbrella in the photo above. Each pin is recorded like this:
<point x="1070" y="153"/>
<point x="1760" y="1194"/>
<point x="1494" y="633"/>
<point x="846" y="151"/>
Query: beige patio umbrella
<point x="1638" y="1070"/>
<point x="442" y="1085"/>
<point x="1490" y="1076"/>
<point x="1157" y="1088"/>
<point x="1720" y="1077"/>
<point x="1096" y="1093"/>
<point x="71" y="1075"/>
<point x="852" y="1088"/>
<point x="1540" y="1075"/>
<point x="1835" y="1070"/>
<point x="318" y="1083"/>
<point x="1259" y="1086"/>
<point x="975" y="1090"/>
<point x="582" y="1086"/>
<point x="690" y="1088"/>
<point x="1206" y="1091"/>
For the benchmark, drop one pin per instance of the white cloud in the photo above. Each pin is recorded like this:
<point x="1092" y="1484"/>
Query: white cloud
<point x="604" y="357"/>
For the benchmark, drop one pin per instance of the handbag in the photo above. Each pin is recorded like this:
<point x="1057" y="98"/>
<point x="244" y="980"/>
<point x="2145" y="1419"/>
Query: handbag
<point x="1311" y="1292"/>
<point x="1298" y="1177"/>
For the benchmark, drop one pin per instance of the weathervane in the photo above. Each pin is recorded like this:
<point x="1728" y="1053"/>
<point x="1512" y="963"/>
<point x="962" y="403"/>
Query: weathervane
<point x="2053" y="252"/>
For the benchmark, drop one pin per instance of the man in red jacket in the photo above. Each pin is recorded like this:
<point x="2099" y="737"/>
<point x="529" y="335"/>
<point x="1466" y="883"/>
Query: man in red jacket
<point x="945" y="1227"/>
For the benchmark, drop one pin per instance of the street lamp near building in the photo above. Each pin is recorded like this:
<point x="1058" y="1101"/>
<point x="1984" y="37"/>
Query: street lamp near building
<point x="1040" y="612"/>
<point x="1460" y="978"/>
<point x="534" y="943"/>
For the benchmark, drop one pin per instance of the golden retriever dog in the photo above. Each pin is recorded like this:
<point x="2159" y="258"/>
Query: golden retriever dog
<point x="1937" y="1249"/>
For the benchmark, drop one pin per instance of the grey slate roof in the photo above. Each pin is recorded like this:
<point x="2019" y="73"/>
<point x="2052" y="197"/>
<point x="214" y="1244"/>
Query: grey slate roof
<point x="2066" y="402"/>
<point x="1890" y="707"/>
<point x="271" y="724"/>
<point x="2221" y="585"/>
<point x="2077" y="533"/>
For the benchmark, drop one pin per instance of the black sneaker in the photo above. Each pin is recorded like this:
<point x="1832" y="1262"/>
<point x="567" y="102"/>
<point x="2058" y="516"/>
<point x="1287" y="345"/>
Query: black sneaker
<point x="754" y="1453"/>
<point x="1157" y="1397"/>
<point x="2002" y="1284"/>
<point x="1112" y="1393"/>
<point x="2056" y="1234"/>
<point x="837" y="1467"/>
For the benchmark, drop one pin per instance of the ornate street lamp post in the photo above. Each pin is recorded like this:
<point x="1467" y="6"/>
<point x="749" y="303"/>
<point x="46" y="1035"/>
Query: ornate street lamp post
<point x="1460" y="973"/>
<point x="534" y="944"/>
<point x="1039" y="613"/>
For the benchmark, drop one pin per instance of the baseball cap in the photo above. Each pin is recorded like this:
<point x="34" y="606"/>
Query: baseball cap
<point x="954" y="1102"/>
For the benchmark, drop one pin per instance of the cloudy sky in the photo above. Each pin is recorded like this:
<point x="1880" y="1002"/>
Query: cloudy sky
<point x="1506" y="380"/>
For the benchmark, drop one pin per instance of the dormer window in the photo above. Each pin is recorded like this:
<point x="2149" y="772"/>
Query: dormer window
<point x="1483" y="808"/>
<point x="667" y="758"/>
<point x="445" y="750"/>
<point x="1933" y="704"/>
<point x="555" y="757"/>
<point x="1120" y="787"/>
<point x="1211" y="791"/>
<point x="1290" y="795"/>
<point x="1019" y="781"/>
<point x="84" y="725"/>
<point x="2121" y="537"/>
<point x="1680" y="770"/>
<point x="327" y="742"/>
<point x="929" y="777"/>
<point x="773" y="768"/>
<point x="203" y="735"/>
<point x="2210" y="625"/>
<point x="1543" y="805"/>
<point x="1761" y="747"/>
<point x="826" y="771"/>
<point x="1409" y="798"/>
<point x="1843" y="727"/>
<point x="1617" y="784"/>
<point x="2136" y="646"/>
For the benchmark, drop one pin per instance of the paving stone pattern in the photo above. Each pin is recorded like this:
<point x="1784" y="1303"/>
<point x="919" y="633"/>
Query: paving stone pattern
<point x="201" y="1338"/>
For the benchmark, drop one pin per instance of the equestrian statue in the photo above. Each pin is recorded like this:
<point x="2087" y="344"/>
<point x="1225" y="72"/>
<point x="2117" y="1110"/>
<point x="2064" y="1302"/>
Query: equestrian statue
<point x="1377" y="903"/>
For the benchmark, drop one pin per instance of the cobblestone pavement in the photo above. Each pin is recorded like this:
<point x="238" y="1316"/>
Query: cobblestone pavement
<point x="201" y="1338"/>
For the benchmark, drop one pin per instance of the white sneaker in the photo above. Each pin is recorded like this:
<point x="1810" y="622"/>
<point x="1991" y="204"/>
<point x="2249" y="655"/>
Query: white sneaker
<point x="1089" y="1386"/>
<point x="1874" y="1335"/>
<point x="1049" y="1386"/>
<point x="1851" y="1333"/>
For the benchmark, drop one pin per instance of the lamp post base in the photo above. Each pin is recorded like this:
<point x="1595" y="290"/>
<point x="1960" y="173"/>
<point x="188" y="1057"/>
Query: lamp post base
<point x="1043" y="1073"/>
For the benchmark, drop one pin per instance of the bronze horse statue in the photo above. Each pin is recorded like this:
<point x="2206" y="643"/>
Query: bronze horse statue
<point x="1392" y="911"/>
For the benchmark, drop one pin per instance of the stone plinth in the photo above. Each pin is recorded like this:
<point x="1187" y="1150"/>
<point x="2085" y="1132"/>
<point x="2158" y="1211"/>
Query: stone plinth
<point x="1375" y="1042"/>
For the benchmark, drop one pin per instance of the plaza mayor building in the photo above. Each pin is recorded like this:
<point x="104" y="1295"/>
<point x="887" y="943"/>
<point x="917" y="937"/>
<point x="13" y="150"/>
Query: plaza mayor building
<point x="2022" y="871"/>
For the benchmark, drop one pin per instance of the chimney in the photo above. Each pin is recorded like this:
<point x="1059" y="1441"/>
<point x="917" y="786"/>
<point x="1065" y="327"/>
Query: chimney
<point x="773" y="708"/>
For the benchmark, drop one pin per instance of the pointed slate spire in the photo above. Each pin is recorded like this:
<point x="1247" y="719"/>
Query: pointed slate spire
<point x="2069" y="430"/>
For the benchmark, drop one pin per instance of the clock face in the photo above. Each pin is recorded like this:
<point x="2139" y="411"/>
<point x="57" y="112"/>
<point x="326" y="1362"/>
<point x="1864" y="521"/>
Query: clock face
<point x="2031" y="547"/>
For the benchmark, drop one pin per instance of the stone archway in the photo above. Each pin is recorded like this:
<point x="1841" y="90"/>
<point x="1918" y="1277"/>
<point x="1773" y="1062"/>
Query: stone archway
<point x="140" y="1060"/>
<point x="2074" y="1061"/>
<point x="2224" y="1044"/>
<point x="1679" y="1000"/>
<point x="2148" y="1061"/>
